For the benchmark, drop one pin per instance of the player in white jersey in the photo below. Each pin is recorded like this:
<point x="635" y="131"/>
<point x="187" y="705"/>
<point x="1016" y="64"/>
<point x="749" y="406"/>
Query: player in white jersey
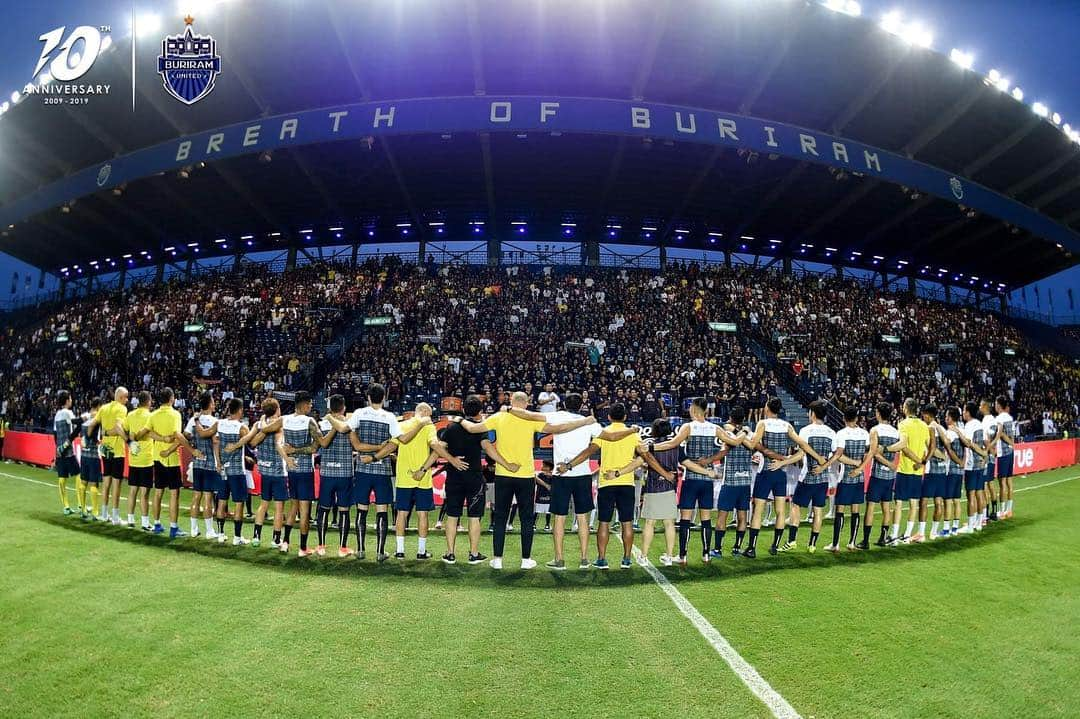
<point x="700" y="440"/>
<point x="990" y="437"/>
<point x="1006" y="443"/>
<point x="774" y="437"/>
<point x="937" y="468"/>
<point x="971" y="436"/>
<point x="954" y="479"/>
<point x="853" y="449"/>
<point x="813" y="486"/>
<point x="889" y="443"/>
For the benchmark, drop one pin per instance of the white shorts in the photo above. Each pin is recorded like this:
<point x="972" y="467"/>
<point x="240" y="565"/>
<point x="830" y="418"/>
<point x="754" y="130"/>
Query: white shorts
<point x="542" y="509"/>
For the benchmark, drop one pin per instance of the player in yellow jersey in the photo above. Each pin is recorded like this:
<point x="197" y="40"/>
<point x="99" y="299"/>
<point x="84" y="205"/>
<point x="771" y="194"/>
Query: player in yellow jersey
<point x="165" y="427"/>
<point x="111" y="419"/>
<point x="915" y="434"/>
<point x="616" y="485"/>
<point x="140" y="461"/>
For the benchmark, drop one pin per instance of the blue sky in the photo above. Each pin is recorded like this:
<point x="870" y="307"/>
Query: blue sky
<point x="1034" y="44"/>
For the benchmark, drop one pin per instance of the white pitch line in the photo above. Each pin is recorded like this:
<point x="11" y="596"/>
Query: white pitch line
<point x="779" y="706"/>
<point x="1048" y="484"/>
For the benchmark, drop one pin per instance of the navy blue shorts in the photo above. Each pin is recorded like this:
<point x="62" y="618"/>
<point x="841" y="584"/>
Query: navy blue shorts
<point x="365" y="483"/>
<point x="274" y="489"/>
<point x="238" y="489"/>
<point x="850" y="494"/>
<point x="734" y="497"/>
<point x="90" y="469"/>
<point x="696" y="493"/>
<point x="204" y="480"/>
<point x="934" y="486"/>
<point x="805" y="494"/>
<point x="974" y="480"/>
<point x="335" y="492"/>
<point x="422" y="500"/>
<point x="881" y="490"/>
<point x="620" y="499"/>
<point x="1005" y="466"/>
<point x="908" y="486"/>
<point x="302" y="486"/>
<point x="67" y="467"/>
<point x="563" y="488"/>
<point x="954" y="486"/>
<point x="770" y="482"/>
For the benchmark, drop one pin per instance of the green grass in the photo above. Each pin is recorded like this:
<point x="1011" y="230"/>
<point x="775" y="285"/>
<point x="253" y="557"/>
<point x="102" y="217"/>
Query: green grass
<point x="100" y="620"/>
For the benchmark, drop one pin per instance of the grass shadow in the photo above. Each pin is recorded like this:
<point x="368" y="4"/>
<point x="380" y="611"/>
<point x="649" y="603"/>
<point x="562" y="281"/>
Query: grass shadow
<point x="540" y="578"/>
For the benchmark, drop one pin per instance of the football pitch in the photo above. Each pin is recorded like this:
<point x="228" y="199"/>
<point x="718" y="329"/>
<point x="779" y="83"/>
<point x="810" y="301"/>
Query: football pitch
<point x="100" y="620"/>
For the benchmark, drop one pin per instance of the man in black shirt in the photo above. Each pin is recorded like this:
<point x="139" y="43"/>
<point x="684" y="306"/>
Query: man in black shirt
<point x="466" y="487"/>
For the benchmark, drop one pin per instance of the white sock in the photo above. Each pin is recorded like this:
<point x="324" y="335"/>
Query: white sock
<point x="209" y="525"/>
<point x="146" y="520"/>
<point x="972" y="519"/>
<point x="194" y="526"/>
<point x="131" y="518"/>
<point x="116" y="513"/>
<point x="1008" y="505"/>
<point x="423" y="545"/>
<point x="910" y="528"/>
<point x="896" y="529"/>
<point x="922" y="528"/>
<point x="956" y="524"/>
<point x="933" y="529"/>
<point x="172" y="525"/>
<point x="400" y="543"/>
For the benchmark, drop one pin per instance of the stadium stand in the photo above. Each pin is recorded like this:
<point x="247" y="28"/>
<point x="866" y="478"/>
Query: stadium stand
<point x="637" y="335"/>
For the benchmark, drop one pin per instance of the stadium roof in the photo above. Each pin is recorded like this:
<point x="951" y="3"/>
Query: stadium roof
<point x="1012" y="217"/>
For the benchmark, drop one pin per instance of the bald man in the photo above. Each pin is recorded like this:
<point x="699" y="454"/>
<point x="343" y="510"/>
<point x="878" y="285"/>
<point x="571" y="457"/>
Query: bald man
<point x="514" y="435"/>
<point x="111" y="420"/>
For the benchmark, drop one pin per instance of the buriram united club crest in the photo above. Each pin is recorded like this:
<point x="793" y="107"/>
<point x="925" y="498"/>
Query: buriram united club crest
<point x="189" y="64"/>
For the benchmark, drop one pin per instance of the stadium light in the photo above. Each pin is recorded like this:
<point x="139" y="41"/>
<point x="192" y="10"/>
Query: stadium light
<point x="1017" y="94"/>
<point x="332" y="229"/>
<point x="245" y="237"/>
<point x="1056" y="118"/>
<point x="1040" y="109"/>
<point x="962" y="59"/>
<point x="892" y="22"/>
<point x="15" y="97"/>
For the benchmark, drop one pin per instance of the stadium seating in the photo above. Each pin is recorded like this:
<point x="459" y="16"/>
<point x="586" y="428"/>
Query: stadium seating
<point x="640" y="336"/>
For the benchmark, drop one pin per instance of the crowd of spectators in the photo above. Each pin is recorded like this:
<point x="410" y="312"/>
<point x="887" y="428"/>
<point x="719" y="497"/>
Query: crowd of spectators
<point x="640" y="336"/>
<point x="244" y="334"/>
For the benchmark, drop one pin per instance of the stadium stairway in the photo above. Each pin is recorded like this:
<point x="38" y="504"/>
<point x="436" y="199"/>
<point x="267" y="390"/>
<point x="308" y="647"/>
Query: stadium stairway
<point x="793" y="409"/>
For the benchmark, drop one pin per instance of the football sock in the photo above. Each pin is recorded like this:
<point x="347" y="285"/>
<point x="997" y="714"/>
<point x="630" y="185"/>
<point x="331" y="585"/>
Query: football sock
<point x="303" y="540"/>
<point x="237" y="526"/>
<point x="361" y="529"/>
<point x="719" y="537"/>
<point x="934" y="529"/>
<point x="753" y="538"/>
<point x="95" y="500"/>
<point x="910" y="529"/>
<point x="423" y="545"/>
<point x="813" y="538"/>
<point x="400" y="543"/>
<point x="277" y="536"/>
<point x="706" y="535"/>
<point x="922" y="528"/>
<point x="792" y="532"/>
<point x="382" y="523"/>
<point x="288" y="532"/>
<point x="739" y="534"/>
<point x="854" y="522"/>
<point x="837" y="527"/>
<point x="867" y="528"/>
<point x="344" y="518"/>
<point x="62" y="486"/>
<point x="684" y="536"/>
<point x="321" y="516"/>
<point x="777" y="533"/>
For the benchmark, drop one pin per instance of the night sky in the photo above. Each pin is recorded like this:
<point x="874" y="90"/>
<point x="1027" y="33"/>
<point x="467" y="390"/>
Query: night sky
<point x="1034" y="44"/>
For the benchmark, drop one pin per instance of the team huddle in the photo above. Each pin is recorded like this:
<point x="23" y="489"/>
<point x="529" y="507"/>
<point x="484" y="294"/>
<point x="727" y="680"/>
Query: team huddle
<point x="647" y="475"/>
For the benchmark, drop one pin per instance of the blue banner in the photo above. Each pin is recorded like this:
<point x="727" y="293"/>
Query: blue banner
<point x="546" y="114"/>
